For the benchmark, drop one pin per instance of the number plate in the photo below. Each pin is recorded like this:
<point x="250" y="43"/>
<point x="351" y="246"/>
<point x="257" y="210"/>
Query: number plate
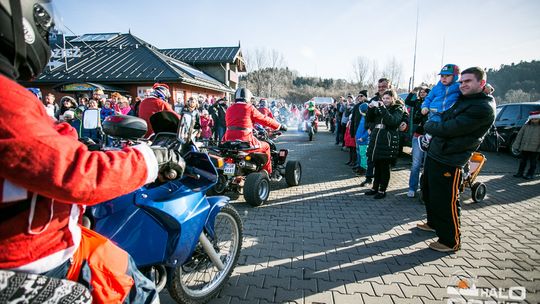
<point x="229" y="169"/>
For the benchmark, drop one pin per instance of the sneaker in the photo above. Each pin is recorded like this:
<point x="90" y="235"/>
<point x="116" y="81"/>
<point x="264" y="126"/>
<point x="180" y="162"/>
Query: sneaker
<point x="518" y="175"/>
<point x="371" y="192"/>
<point x="425" y="227"/>
<point x="380" y="195"/>
<point x="411" y="193"/>
<point x="528" y="176"/>
<point x="441" y="247"/>
<point x="366" y="182"/>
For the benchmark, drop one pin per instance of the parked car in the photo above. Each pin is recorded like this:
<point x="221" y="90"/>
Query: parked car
<point x="509" y="120"/>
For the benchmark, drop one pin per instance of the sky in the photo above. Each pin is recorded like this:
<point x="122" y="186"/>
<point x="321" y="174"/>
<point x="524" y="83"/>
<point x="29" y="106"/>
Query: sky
<point x="323" y="38"/>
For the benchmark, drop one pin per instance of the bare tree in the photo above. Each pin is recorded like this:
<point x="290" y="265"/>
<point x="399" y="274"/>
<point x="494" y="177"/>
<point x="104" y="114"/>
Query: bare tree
<point x="277" y="62"/>
<point x="256" y="61"/>
<point x="393" y="70"/>
<point x="375" y="73"/>
<point x="361" y="70"/>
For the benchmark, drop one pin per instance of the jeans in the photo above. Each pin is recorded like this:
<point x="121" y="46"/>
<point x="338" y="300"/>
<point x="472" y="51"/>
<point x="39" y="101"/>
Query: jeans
<point x="220" y="131"/>
<point x="418" y="157"/>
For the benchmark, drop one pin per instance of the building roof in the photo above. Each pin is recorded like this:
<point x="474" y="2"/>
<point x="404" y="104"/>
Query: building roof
<point x="204" y="54"/>
<point x="122" y="58"/>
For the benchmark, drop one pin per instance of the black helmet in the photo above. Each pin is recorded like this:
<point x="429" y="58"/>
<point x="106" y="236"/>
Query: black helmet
<point x="24" y="35"/>
<point x="242" y="94"/>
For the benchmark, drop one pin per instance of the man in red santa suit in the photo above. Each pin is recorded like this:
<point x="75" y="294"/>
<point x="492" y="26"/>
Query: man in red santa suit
<point x="240" y="118"/>
<point x="158" y="102"/>
<point x="263" y="108"/>
<point x="47" y="175"/>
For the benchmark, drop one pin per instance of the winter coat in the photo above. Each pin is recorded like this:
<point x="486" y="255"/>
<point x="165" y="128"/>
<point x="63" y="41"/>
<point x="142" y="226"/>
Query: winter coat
<point x="206" y="126"/>
<point x="104" y="113"/>
<point x="416" y="112"/>
<point x="152" y="105"/>
<point x="384" y="142"/>
<point x="528" y="138"/>
<point x="47" y="176"/>
<point x="461" y="129"/>
<point x="441" y="97"/>
<point x="348" y="139"/>
<point x="217" y="111"/>
<point x="362" y="134"/>
<point x="240" y="118"/>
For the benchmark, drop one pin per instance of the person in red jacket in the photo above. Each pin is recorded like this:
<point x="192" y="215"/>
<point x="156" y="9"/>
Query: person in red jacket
<point x="263" y="108"/>
<point x="47" y="175"/>
<point x="240" y="118"/>
<point x="158" y="102"/>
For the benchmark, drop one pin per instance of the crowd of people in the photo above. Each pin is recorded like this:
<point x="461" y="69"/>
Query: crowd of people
<point x="449" y="122"/>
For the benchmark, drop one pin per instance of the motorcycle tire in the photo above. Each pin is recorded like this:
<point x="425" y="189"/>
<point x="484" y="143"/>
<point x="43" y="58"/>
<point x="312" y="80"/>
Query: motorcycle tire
<point x="219" y="188"/>
<point x="256" y="188"/>
<point x="227" y="224"/>
<point x="293" y="173"/>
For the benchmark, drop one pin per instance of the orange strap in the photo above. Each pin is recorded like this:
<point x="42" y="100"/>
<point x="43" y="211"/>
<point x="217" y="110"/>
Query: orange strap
<point x="108" y="264"/>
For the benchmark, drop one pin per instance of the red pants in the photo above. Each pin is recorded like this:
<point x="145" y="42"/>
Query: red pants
<point x="264" y="147"/>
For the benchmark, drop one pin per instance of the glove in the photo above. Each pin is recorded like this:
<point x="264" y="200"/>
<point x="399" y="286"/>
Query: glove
<point x="171" y="164"/>
<point x="283" y="127"/>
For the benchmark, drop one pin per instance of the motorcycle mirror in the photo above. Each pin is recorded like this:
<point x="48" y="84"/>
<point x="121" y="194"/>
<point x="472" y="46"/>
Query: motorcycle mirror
<point x="91" y="119"/>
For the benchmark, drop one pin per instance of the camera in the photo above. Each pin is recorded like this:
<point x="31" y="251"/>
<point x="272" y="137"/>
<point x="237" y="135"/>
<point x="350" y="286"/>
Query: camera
<point x="374" y="103"/>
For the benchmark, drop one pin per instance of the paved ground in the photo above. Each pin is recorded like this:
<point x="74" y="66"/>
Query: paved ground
<point x="325" y="242"/>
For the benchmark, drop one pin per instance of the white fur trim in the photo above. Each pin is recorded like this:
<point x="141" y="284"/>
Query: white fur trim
<point x="12" y="192"/>
<point x="58" y="258"/>
<point x="151" y="161"/>
<point x="535" y="116"/>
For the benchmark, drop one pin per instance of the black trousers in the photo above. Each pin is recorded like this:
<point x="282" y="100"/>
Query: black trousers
<point x="528" y="156"/>
<point x="382" y="174"/>
<point x="440" y="192"/>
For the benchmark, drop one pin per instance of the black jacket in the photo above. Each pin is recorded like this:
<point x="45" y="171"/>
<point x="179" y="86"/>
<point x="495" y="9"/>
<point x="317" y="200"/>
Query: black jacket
<point x="217" y="111"/>
<point x="461" y="130"/>
<point x="418" y="119"/>
<point x="384" y="142"/>
<point x="355" y="119"/>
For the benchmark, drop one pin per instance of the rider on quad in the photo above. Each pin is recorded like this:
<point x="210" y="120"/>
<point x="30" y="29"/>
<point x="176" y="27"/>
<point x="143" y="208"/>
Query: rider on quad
<point x="240" y="118"/>
<point x="47" y="176"/>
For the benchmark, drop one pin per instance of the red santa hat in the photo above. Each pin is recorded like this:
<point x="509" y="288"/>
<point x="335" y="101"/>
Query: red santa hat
<point x="534" y="115"/>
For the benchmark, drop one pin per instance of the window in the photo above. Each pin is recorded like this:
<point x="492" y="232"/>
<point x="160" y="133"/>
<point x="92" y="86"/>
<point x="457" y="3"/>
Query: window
<point x="510" y="113"/>
<point x="526" y="109"/>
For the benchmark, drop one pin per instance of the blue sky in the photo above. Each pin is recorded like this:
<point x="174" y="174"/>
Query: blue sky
<point x="322" y="38"/>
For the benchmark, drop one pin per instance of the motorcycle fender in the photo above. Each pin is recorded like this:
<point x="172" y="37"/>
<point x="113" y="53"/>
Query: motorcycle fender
<point x="216" y="203"/>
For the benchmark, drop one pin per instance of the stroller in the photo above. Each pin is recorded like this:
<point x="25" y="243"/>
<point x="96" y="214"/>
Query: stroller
<point x="471" y="171"/>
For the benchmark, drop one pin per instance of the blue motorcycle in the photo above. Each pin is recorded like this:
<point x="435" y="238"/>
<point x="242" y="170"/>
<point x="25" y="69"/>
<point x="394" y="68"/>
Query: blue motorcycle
<point x="179" y="237"/>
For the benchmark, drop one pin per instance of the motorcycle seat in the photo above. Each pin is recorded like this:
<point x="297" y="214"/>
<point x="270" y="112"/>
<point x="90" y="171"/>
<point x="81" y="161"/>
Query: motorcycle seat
<point x="236" y="145"/>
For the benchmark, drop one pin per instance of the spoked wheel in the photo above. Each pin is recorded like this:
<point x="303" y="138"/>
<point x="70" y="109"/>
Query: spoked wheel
<point x="199" y="280"/>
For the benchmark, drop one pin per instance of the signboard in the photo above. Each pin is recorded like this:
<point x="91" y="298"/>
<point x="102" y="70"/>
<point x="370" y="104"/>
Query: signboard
<point x="233" y="76"/>
<point x="73" y="87"/>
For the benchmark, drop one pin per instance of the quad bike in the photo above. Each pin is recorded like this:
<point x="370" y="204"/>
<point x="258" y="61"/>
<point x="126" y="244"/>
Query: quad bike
<point x="242" y="170"/>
